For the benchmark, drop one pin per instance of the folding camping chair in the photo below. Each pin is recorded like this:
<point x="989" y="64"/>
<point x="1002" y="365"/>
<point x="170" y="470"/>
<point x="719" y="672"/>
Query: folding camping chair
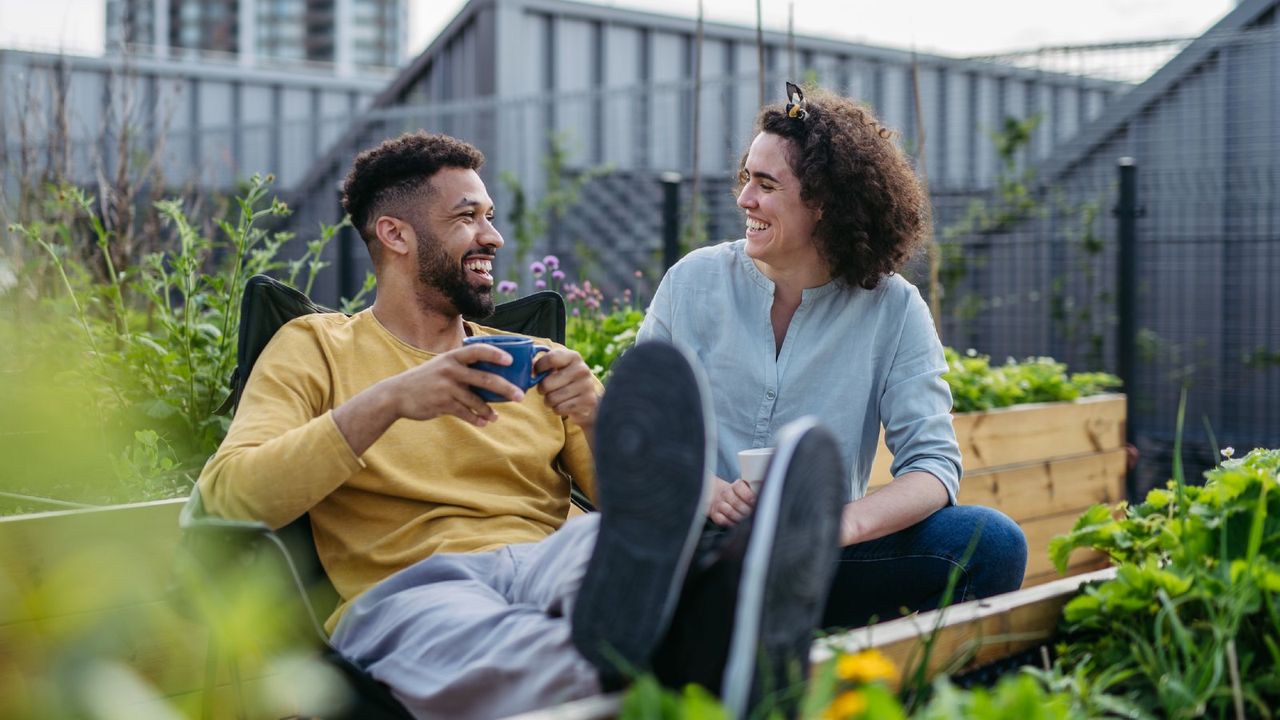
<point x="214" y="550"/>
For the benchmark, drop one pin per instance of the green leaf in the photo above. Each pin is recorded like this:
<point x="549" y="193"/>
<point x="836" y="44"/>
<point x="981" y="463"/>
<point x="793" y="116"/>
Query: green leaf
<point x="159" y="409"/>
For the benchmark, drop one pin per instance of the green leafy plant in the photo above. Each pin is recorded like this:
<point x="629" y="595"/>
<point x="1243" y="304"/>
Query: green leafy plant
<point x="977" y="385"/>
<point x="646" y="699"/>
<point x="603" y="338"/>
<point x="150" y="347"/>
<point x="1191" y="620"/>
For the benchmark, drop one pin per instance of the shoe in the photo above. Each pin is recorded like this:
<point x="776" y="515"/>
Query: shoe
<point x="786" y="572"/>
<point x="653" y="453"/>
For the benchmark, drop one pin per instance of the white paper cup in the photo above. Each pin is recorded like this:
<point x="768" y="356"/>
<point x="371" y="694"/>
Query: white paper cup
<point x="752" y="465"/>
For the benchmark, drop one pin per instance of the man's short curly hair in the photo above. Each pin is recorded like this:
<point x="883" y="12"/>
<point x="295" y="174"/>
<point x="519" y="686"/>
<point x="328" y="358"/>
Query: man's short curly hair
<point x="875" y="213"/>
<point x="393" y="177"/>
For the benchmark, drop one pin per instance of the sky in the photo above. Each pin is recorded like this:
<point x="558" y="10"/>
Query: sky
<point x="972" y="27"/>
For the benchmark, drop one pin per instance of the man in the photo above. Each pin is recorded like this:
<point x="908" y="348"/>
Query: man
<point x="440" y="518"/>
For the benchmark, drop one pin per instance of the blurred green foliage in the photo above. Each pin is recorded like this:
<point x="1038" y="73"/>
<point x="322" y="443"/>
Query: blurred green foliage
<point x="103" y="620"/>
<point x="127" y="366"/>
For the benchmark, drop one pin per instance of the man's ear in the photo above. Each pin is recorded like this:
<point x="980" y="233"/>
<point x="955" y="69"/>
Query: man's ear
<point x="394" y="235"/>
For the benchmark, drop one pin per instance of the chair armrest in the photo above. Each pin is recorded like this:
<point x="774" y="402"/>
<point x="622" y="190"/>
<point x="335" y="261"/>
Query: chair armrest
<point x="215" y="551"/>
<point x="579" y="501"/>
<point x="194" y="516"/>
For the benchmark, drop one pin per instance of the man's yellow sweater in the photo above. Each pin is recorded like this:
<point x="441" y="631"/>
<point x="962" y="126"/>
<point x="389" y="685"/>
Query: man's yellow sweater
<point x="441" y="485"/>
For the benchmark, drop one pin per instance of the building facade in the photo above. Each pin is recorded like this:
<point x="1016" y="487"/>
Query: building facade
<point x="592" y="86"/>
<point x="348" y="34"/>
<point x="207" y="125"/>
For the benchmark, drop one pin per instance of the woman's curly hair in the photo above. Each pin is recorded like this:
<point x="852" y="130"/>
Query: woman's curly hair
<point x="875" y="213"/>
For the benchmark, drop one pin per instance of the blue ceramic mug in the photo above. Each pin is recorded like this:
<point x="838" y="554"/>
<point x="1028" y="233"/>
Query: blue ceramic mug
<point x="519" y="372"/>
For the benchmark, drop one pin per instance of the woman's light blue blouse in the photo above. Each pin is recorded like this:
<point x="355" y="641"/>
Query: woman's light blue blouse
<point x="855" y="358"/>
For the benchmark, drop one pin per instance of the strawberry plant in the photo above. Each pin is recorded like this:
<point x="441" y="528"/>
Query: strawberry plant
<point x="1190" y="626"/>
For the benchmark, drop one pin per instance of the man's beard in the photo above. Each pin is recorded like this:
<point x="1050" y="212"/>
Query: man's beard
<point x="437" y="271"/>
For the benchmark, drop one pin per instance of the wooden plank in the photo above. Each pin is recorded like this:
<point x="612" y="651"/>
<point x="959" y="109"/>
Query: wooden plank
<point x="982" y="631"/>
<point x="1028" y="433"/>
<point x="1099" y="562"/>
<point x="63" y="563"/>
<point x="1046" y="499"/>
<point x="1032" y="433"/>
<point x="1027" y="492"/>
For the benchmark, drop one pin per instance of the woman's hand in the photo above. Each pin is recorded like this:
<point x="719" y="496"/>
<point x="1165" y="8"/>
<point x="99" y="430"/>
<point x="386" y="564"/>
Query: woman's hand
<point x="731" y="502"/>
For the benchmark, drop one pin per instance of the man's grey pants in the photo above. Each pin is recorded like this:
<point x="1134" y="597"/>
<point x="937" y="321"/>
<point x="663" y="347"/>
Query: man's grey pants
<point x="481" y="635"/>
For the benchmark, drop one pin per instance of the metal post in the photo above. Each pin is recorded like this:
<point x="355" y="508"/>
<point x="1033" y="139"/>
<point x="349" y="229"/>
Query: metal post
<point x="347" y="286"/>
<point x="670" y="219"/>
<point x="1126" y="291"/>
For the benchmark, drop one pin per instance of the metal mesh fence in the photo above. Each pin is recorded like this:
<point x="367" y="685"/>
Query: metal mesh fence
<point x="1204" y="136"/>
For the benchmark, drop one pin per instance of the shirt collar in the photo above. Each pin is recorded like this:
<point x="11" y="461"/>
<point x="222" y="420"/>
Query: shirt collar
<point x="807" y="295"/>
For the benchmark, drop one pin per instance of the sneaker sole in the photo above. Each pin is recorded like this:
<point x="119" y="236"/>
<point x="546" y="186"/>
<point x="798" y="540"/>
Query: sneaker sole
<point x="787" y="572"/>
<point x="654" y="452"/>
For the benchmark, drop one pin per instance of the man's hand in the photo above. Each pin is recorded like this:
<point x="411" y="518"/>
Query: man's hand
<point x="440" y="386"/>
<point x="732" y="502"/>
<point x="570" y="390"/>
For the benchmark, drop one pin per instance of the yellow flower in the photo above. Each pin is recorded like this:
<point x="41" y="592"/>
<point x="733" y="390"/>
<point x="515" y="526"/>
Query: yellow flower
<point x="865" y="667"/>
<point x="847" y="705"/>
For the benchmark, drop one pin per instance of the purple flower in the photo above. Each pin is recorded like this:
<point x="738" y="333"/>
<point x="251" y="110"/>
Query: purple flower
<point x="577" y="312"/>
<point x="552" y="262"/>
<point x="537" y="268"/>
<point x="507" y="287"/>
<point x="558" y="275"/>
<point x="539" y="285"/>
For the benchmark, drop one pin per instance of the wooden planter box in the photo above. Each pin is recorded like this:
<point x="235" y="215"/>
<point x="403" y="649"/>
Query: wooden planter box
<point x="969" y="635"/>
<point x="1042" y="465"/>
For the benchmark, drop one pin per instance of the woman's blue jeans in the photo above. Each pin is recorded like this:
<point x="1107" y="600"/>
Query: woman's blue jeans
<point x="909" y="570"/>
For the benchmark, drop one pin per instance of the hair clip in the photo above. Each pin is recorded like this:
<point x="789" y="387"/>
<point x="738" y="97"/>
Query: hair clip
<point x="795" y="102"/>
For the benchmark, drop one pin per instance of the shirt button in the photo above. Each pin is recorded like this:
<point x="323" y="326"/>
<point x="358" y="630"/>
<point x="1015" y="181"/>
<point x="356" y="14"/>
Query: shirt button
<point x="770" y="394"/>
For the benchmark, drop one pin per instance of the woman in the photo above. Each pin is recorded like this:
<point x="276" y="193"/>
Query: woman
<point x="808" y="316"/>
